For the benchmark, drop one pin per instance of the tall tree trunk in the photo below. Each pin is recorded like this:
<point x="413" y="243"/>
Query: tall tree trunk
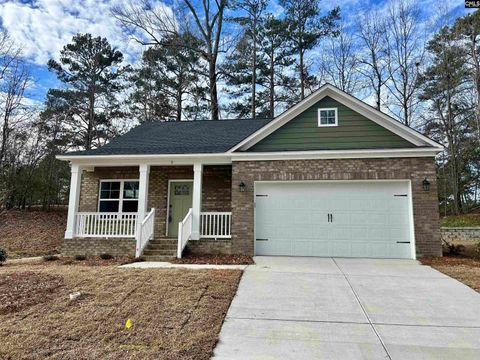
<point x="302" y="76"/>
<point x="254" y="70"/>
<point x="212" y="79"/>
<point x="91" y="121"/>
<point x="271" y="94"/>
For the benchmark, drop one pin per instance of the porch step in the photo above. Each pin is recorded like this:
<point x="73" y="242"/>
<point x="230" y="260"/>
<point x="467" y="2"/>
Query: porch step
<point x="160" y="249"/>
<point x="161" y="252"/>
<point x="158" y="258"/>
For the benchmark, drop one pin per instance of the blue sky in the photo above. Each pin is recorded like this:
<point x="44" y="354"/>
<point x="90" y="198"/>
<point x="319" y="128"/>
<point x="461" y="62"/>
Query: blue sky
<point x="42" y="27"/>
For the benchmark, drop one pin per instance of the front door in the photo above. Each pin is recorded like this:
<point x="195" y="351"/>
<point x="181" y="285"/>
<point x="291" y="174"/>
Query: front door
<point x="180" y="202"/>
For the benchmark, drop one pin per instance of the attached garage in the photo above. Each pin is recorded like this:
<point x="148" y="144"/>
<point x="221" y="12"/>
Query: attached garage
<point x="334" y="218"/>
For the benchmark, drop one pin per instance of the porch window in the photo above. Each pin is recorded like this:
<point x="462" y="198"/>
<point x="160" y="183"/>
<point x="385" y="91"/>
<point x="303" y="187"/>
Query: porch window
<point x="118" y="196"/>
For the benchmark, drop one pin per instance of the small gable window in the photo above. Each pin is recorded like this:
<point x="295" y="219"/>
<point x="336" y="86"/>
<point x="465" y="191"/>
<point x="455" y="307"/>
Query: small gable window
<point x="327" y="117"/>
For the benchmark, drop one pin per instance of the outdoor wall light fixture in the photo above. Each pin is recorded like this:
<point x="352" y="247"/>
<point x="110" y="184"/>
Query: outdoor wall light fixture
<point x="426" y="184"/>
<point x="242" y="186"/>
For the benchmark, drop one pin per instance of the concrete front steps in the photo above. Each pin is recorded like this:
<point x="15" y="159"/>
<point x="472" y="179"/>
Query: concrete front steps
<point x="163" y="249"/>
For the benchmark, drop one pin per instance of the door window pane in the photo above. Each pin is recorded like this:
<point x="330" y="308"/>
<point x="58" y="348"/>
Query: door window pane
<point x="182" y="190"/>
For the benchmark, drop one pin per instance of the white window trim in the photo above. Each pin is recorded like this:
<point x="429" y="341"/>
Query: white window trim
<point x="328" y="109"/>
<point x="120" y="199"/>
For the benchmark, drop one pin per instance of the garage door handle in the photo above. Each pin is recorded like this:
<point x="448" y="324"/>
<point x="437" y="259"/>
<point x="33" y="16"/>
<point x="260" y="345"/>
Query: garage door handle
<point x="403" y="242"/>
<point x="261" y="239"/>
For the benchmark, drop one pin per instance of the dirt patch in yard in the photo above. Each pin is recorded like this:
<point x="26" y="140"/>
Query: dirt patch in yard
<point x="18" y="291"/>
<point x="32" y="233"/>
<point x="464" y="269"/>
<point x="175" y="314"/>
<point x="215" y="259"/>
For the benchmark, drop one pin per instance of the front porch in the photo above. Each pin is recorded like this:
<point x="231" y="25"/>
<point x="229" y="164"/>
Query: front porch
<point x="131" y="206"/>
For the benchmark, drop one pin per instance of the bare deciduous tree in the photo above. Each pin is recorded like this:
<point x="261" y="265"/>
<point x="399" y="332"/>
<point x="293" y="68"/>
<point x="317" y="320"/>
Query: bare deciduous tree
<point x="341" y="65"/>
<point x="406" y="52"/>
<point x="16" y="79"/>
<point x="371" y="32"/>
<point x="157" y="21"/>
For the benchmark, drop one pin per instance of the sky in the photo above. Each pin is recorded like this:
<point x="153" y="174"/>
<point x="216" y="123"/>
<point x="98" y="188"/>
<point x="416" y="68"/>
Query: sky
<point x="43" y="27"/>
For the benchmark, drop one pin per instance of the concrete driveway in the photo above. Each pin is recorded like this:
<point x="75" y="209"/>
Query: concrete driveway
<point x="323" y="308"/>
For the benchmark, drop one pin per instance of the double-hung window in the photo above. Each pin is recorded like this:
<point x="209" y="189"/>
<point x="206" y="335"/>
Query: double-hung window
<point x="118" y="196"/>
<point x="327" y="117"/>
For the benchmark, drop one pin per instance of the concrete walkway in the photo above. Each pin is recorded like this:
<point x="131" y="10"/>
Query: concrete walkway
<point x="167" y="265"/>
<point x="322" y="308"/>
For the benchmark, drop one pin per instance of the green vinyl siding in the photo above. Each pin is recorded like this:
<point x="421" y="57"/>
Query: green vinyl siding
<point x="354" y="131"/>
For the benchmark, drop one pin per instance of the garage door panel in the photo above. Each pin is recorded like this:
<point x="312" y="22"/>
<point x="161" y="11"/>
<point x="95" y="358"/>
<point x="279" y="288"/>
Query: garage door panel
<point x="368" y="219"/>
<point x="302" y="247"/>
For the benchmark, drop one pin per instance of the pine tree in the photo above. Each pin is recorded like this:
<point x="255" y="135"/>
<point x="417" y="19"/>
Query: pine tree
<point x="442" y="85"/>
<point x="168" y="85"/>
<point x="305" y="27"/>
<point x="91" y="71"/>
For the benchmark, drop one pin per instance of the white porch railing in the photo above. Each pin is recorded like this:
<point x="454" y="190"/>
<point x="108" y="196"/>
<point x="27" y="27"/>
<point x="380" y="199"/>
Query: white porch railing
<point x="95" y="224"/>
<point x="184" y="232"/>
<point x="216" y="225"/>
<point x="147" y="228"/>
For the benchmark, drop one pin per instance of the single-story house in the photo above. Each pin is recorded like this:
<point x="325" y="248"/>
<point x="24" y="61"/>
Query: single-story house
<point x="331" y="176"/>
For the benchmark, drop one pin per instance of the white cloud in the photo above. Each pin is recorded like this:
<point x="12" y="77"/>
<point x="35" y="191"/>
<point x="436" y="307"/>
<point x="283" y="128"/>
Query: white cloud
<point x="43" y="27"/>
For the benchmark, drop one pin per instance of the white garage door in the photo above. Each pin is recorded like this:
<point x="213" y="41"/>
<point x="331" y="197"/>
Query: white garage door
<point x="343" y="218"/>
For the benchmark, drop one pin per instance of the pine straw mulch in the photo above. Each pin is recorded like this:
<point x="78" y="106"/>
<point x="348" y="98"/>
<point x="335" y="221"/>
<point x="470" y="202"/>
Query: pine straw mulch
<point x="464" y="269"/>
<point x="32" y="233"/>
<point x="20" y="290"/>
<point x="175" y="313"/>
<point x="215" y="259"/>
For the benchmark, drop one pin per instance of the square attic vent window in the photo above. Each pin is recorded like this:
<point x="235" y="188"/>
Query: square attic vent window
<point x="327" y="117"/>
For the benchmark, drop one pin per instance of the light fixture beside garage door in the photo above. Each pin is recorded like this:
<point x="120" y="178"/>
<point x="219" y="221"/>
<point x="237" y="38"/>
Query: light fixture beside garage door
<point x="242" y="186"/>
<point x="426" y="185"/>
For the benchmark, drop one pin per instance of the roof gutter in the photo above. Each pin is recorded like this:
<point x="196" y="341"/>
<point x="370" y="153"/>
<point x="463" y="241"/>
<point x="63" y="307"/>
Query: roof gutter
<point x="227" y="158"/>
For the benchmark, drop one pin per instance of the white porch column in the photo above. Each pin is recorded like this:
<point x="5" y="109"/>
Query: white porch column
<point x="196" y="200"/>
<point x="73" y="200"/>
<point x="142" y="196"/>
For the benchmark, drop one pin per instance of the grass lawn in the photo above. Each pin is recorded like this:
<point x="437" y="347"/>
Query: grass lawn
<point x="464" y="267"/>
<point x="175" y="314"/>
<point x="466" y="220"/>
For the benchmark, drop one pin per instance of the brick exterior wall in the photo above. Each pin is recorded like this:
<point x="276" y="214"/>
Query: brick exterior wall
<point x="460" y="234"/>
<point x="425" y="204"/>
<point x="94" y="246"/>
<point x="210" y="246"/>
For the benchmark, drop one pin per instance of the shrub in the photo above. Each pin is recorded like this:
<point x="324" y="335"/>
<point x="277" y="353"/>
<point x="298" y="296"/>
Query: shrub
<point x="51" y="258"/>
<point x="81" y="257"/>
<point x="106" y="256"/>
<point x="477" y="251"/>
<point x="3" y="256"/>
<point x="453" y="249"/>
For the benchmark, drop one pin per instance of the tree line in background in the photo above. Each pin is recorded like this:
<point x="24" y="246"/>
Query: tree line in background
<point x="213" y="59"/>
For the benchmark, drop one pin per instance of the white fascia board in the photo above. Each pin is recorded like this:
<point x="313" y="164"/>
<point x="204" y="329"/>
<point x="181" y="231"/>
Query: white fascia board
<point x="227" y="158"/>
<point x="336" y="154"/>
<point x="150" y="159"/>
<point x="357" y="105"/>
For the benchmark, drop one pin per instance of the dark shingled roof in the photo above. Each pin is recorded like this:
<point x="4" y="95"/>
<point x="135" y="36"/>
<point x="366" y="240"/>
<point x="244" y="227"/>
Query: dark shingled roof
<point x="184" y="137"/>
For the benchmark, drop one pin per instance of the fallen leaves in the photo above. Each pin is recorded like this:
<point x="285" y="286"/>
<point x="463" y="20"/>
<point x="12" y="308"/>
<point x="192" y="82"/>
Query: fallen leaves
<point x="32" y="233"/>
<point x="215" y="259"/>
<point x="19" y="291"/>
